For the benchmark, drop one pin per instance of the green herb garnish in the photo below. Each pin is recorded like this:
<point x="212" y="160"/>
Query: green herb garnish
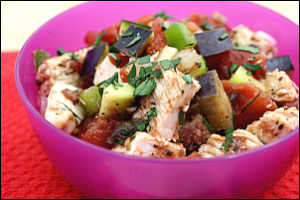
<point x="233" y="117"/>
<point x="149" y="114"/>
<point x="132" y="137"/>
<point x="158" y="74"/>
<point x="162" y="25"/>
<point x="112" y="80"/>
<point x="135" y="40"/>
<point x="175" y="62"/>
<point x="199" y="63"/>
<point x="98" y="39"/>
<point x="126" y="132"/>
<point x="233" y="96"/>
<point x="232" y="68"/>
<point x="224" y="36"/>
<point x="130" y="33"/>
<point x="228" y="134"/>
<point x="242" y="56"/>
<point x="75" y="115"/>
<point x="250" y="103"/>
<point x="118" y="62"/>
<point x="165" y="64"/>
<point x="209" y="26"/>
<point x="187" y="78"/>
<point x="38" y="82"/>
<point x="145" y="88"/>
<point x="132" y="77"/>
<point x="181" y="118"/>
<point x="203" y="25"/>
<point x="248" y="48"/>
<point x="249" y="73"/>
<point x="252" y="67"/>
<point x="162" y="15"/>
<point x="236" y="44"/>
<point x="251" y="59"/>
<point x="121" y="142"/>
<point x="144" y="60"/>
<point x="60" y="52"/>
<point x="206" y="123"/>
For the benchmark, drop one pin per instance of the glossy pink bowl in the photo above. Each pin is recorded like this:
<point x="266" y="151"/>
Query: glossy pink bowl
<point x="100" y="173"/>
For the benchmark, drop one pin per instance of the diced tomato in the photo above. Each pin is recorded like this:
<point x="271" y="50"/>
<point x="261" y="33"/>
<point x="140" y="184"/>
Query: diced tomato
<point x="159" y="37"/>
<point x="193" y="27"/>
<point x="145" y="19"/>
<point x="111" y="33"/>
<point x="200" y="18"/>
<point x="223" y="61"/>
<point x="123" y="75"/>
<point x="77" y="66"/>
<point x="90" y="38"/>
<point x="124" y="59"/>
<point x="97" y="130"/>
<point x="247" y="92"/>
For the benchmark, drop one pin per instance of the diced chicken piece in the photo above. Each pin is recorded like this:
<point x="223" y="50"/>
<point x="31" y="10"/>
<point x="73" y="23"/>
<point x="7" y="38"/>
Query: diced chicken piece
<point x="241" y="141"/>
<point x="218" y="17"/>
<point x="58" y="113"/>
<point x="144" y="144"/>
<point x="280" y="88"/>
<point x="105" y="70"/>
<point x="194" y="133"/>
<point x="189" y="57"/>
<point x="171" y="95"/>
<point x="276" y="124"/>
<point x="60" y="69"/>
<point x="245" y="36"/>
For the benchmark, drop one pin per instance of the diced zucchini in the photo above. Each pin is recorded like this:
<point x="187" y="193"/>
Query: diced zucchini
<point x="201" y="70"/>
<point x="241" y="76"/>
<point x="90" y="100"/>
<point x="136" y="43"/>
<point x="179" y="36"/>
<point x="213" y="101"/>
<point x="167" y="53"/>
<point x="39" y="57"/>
<point x="114" y="102"/>
<point x="125" y="25"/>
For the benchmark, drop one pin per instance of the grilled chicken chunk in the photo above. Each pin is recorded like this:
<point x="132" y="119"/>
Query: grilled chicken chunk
<point x="144" y="144"/>
<point x="241" y="141"/>
<point x="171" y="95"/>
<point x="281" y="88"/>
<point x="61" y="111"/>
<point x="194" y="133"/>
<point x="276" y="124"/>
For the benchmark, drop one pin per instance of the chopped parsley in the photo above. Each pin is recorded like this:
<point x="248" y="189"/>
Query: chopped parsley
<point x="187" y="78"/>
<point x="132" y="53"/>
<point x="149" y="114"/>
<point x="132" y="137"/>
<point x="126" y="132"/>
<point x="203" y="25"/>
<point x="233" y="96"/>
<point x="162" y="15"/>
<point x="131" y="77"/>
<point x="249" y="73"/>
<point x="206" y="123"/>
<point x="224" y="36"/>
<point x="120" y="141"/>
<point x="199" y="63"/>
<point x="112" y="80"/>
<point x="158" y="74"/>
<point x="144" y="60"/>
<point x="135" y="40"/>
<point x="181" y="118"/>
<point x="60" y="52"/>
<point x="38" y="82"/>
<point x="209" y="26"/>
<point x="145" y="88"/>
<point x="175" y="62"/>
<point x="248" y="48"/>
<point x="130" y="33"/>
<point x="251" y="59"/>
<point x="75" y="115"/>
<point x="130" y="63"/>
<point x="162" y="25"/>
<point x="233" y="117"/>
<point x="165" y="64"/>
<point x="242" y="56"/>
<point x="250" y="103"/>
<point x="232" y="68"/>
<point x="118" y="62"/>
<point x="98" y="39"/>
<point x="236" y="44"/>
<point x="252" y="67"/>
<point x="228" y="134"/>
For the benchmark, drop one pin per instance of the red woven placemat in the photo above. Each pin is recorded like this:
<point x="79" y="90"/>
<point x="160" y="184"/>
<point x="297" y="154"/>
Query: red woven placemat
<point x="26" y="171"/>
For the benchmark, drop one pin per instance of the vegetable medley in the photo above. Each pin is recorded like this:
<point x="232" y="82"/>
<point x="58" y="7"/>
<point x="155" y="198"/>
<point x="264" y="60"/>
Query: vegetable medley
<point x="193" y="88"/>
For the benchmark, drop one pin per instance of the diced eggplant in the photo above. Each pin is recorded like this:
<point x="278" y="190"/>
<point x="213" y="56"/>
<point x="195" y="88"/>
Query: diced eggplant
<point x="282" y="63"/>
<point x="209" y="42"/>
<point x="39" y="57"/>
<point x="93" y="58"/>
<point x="179" y="36"/>
<point x="90" y="100"/>
<point x="135" y="43"/>
<point x="123" y="130"/>
<point x="125" y="25"/>
<point x="213" y="101"/>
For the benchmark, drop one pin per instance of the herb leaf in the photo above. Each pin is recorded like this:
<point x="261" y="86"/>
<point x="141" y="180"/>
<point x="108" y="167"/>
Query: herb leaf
<point x="144" y="60"/>
<point x="233" y="96"/>
<point x="209" y="26"/>
<point x="158" y="74"/>
<point x="252" y="67"/>
<point x="131" y="77"/>
<point x="165" y="64"/>
<point x="132" y="137"/>
<point x="75" y="115"/>
<point x="176" y="62"/>
<point x="232" y="68"/>
<point x="145" y="88"/>
<point x="149" y="114"/>
<point x="60" y="52"/>
<point x="118" y="62"/>
<point x="251" y="59"/>
<point x="130" y="33"/>
<point x="162" y="15"/>
<point x="206" y="123"/>
<point x="181" y="117"/>
<point x="228" y="134"/>
<point x="121" y="142"/>
<point x="248" y="48"/>
<point x="187" y="78"/>
<point x="126" y="132"/>
<point x="98" y="39"/>
<point x="249" y="73"/>
<point x="135" y="40"/>
<point x="203" y="25"/>
<point x="236" y="44"/>
<point x="224" y="36"/>
<point x="112" y="80"/>
<point x="250" y="103"/>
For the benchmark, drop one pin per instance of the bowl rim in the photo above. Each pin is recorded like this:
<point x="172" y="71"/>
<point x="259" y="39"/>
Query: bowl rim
<point x="76" y="141"/>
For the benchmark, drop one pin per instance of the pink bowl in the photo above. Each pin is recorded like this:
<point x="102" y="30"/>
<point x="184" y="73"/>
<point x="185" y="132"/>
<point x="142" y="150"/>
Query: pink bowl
<point x="100" y="173"/>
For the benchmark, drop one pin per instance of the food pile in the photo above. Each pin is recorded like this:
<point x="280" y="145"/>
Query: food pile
<point x="193" y="88"/>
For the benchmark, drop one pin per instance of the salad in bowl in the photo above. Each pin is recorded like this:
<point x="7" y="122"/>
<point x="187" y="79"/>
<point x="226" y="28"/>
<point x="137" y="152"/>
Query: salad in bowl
<point x="192" y="88"/>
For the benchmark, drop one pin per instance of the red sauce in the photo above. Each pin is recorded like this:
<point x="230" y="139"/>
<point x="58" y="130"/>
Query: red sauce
<point x="159" y="37"/>
<point x="247" y="92"/>
<point x="223" y="61"/>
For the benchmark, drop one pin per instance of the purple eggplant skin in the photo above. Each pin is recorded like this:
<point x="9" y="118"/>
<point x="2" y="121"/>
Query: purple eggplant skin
<point x="282" y="63"/>
<point x="94" y="57"/>
<point x="209" y="42"/>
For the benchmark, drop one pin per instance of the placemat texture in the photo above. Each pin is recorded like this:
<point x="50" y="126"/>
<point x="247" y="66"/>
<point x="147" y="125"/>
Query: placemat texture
<point x="26" y="171"/>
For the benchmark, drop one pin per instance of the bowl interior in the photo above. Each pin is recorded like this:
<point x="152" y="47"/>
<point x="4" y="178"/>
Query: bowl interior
<point x="68" y="29"/>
